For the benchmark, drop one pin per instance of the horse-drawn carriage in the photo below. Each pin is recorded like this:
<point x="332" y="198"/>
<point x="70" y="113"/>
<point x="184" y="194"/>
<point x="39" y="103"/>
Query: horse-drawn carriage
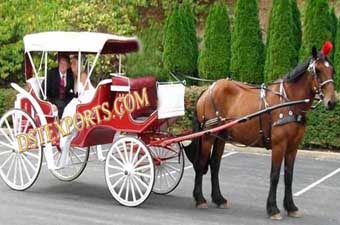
<point x="136" y="112"/>
<point x="131" y="115"/>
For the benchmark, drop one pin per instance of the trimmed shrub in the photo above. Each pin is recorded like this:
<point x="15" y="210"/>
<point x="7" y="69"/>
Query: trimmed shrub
<point x="178" y="46"/>
<point x="333" y="26"/>
<point x="247" y="49"/>
<point x="7" y="98"/>
<point x="149" y="60"/>
<point x="281" y="53"/>
<point x="323" y="129"/>
<point x="297" y="32"/>
<point x="337" y="60"/>
<point x="316" y="27"/>
<point x="214" y="59"/>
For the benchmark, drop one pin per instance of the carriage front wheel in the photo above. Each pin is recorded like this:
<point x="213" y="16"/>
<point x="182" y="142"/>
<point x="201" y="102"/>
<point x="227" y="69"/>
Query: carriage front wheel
<point x="129" y="171"/>
<point x="19" y="169"/>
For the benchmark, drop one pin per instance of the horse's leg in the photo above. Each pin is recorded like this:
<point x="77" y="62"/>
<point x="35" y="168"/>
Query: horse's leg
<point x="288" y="202"/>
<point x="277" y="157"/>
<point x="215" y="162"/>
<point x="201" y="167"/>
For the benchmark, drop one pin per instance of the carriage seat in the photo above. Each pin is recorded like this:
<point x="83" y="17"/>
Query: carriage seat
<point x="124" y="84"/>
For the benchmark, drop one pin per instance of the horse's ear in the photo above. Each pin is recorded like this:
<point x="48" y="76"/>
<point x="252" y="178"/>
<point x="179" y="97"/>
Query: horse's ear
<point x="314" y="52"/>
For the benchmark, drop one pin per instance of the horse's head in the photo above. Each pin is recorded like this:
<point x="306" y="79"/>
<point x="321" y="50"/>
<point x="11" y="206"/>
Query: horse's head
<point x="323" y="73"/>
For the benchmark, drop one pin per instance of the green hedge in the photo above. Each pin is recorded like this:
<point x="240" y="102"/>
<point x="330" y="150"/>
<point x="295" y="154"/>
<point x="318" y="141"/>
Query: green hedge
<point x="323" y="129"/>
<point x="7" y="97"/>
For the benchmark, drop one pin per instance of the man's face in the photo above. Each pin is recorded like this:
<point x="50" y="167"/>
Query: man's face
<point x="74" y="66"/>
<point x="63" y="65"/>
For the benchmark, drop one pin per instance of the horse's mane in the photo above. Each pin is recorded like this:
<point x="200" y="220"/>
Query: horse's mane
<point x="297" y="72"/>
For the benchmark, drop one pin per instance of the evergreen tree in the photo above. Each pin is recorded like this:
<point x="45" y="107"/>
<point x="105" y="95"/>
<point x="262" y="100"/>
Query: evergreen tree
<point x="337" y="59"/>
<point x="179" y="52"/>
<point x="247" y="49"/>
<point x="189" y="24"/>
<point x="316" y="27"/>
<point x="281" y="53"/>
<point x="297" y="32"/>
<point x="333" y="27"/>
<point x="214" y="59"/>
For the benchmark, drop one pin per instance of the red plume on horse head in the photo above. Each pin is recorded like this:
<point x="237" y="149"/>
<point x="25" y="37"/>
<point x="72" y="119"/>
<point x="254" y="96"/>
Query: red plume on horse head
<point x="327" y="48"/>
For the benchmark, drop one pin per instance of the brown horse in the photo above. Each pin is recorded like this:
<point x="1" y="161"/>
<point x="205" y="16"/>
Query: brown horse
<point x="281" y="130"/>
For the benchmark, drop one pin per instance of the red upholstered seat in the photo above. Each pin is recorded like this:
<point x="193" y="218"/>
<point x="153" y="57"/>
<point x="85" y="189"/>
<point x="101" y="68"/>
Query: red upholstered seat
<point x="137" y="84"/>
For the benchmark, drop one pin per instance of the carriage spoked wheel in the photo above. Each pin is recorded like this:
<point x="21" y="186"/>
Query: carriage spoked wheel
<point x="169" y="167"/>
<point x="77" y="161"/>
<point x="18" y="169"/>
<point x="127" y="162"/>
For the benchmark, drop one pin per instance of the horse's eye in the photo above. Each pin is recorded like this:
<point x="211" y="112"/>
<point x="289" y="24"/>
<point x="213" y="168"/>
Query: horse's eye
<point x="317" y="71"/>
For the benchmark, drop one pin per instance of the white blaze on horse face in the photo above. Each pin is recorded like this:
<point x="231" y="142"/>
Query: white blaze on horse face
<point x="326" y="64"/>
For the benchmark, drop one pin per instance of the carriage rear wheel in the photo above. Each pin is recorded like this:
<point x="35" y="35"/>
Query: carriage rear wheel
<point x="127" y="162"/>
<point x="19" y="170"/>
<point x="78" y="158"/>
<point x="169" y="168"/>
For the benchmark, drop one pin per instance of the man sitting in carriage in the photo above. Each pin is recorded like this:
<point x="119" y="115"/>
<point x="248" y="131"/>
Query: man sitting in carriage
<point x="60" y="85"/>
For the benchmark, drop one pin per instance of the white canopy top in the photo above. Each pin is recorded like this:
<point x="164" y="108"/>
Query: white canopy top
<point x="90" y="42"/>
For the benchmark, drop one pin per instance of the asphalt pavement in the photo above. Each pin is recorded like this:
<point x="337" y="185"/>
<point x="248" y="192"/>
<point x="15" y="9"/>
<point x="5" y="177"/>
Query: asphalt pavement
<point x="244" y="182"/>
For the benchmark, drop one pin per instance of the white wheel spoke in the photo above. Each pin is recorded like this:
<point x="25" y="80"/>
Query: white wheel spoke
<point x="7" y="145"/>
<point x="166" y="179"/>
<point x="120" y="155"/>
<point x="32" y="155"/>
<point x="136" y="155"/>
<point x="133" y="190"/>
<point x="15" y="170"/>
<point x="10" y="167"/>
<point x="6" y="136"/>
<point x="148" y="166"/>
<point x="29" y="163"/>
<point x="127" y="189"/>
<point x="115" y="167"/>
<point x="122" y="187"/>
<point x="20" y="172"/>
<point x="7" y="160"/>
<point x="141" y="182"/>
<point x="117" y="160"/>
<point x="131" y="151"/>
<point x="137" y="186"/>
<point x="25" y="168"/>
<point x="117" y="182"/>
<point x="79" y="159"/>
<point x="142" y="175"/>
<point x="140" y="160"/>
<point x="171" y="167"/>
<point x="26" y="126"/>
<point x="170" y="174"/>
<point x="5" y="152"/>
<point x="125" y="152"/>
<point x="10" y="129"/>
<point x="116" y="174"/>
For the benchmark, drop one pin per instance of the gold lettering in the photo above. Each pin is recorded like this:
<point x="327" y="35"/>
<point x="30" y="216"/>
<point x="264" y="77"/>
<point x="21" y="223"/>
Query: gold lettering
<point x="106" y="111"/>
<point x="75" y="122"/>
<point x="141" y="101"/>
<point x="129" y="103"/>
<point x="58" y="125"/>
<point x="32" y="137"/>
<point x="19" y="137"/>
<point x="41" y="137"/>
<point x="87" y="118"/>
<point x="97" y="113"/>
<point x="48" y="133"/>
<point x="118" y="111"/>
<point x="68" y="122"/>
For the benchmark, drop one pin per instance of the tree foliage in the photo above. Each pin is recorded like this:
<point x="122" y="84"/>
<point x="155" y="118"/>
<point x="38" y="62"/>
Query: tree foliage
<point x="337" y="60"/>
<point x="317" y="27"/>
<point x="214" y="59"/>
<point x="297" y="31"/>
<point x="281" y="52"/>
<point x="247" y="49"/>
<point x="179" y="51"/>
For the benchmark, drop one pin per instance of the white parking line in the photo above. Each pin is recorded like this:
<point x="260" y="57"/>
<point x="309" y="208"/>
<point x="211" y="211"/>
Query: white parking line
<point x="223" y="156"/>
<point x="317" y="182"/>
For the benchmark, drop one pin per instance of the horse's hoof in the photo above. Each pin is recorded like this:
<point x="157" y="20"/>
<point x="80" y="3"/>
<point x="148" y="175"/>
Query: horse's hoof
<point x="226" y="205"/>
<point x="276" y="217"/>
<point x="203" y="205"/>
<point x="295" y="214"/>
